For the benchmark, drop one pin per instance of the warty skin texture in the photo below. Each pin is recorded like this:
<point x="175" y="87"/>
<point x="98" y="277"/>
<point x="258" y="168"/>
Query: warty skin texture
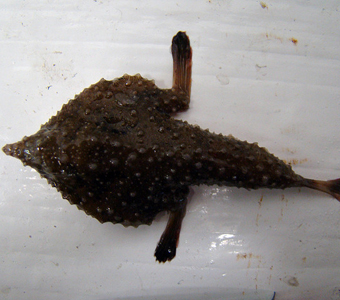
<point x="116" y="153"/>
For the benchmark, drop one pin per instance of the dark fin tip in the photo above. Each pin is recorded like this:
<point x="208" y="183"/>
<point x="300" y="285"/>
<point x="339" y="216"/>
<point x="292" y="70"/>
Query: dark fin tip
<point x="181" y="46"/>
<point x="166" y="247"/>
<point x="165" y="251"/>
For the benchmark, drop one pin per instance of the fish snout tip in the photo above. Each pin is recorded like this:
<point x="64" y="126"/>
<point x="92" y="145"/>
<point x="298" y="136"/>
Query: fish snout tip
<point x="15" y="149"/>
<point x="7" y="149"/>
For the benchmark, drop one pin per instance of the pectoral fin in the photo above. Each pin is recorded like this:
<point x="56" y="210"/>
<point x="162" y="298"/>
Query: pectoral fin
<point x="166" y="247"/>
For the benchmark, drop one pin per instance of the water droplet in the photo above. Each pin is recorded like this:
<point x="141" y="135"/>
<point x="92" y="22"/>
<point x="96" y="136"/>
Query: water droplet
<point x="223" y="79"/>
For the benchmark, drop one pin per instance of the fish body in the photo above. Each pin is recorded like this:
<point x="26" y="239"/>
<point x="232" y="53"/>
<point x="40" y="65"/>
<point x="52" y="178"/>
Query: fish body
<point x="117" y="153"/>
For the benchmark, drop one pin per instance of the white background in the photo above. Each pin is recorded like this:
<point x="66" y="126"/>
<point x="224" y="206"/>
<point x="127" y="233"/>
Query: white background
<point x="249" y="79"/>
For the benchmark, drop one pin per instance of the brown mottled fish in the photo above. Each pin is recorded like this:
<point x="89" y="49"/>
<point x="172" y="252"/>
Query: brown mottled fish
<point x="116" y="153"/>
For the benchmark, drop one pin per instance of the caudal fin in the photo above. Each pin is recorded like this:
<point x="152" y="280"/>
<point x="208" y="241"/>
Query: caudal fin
<point x="331" y="187"/>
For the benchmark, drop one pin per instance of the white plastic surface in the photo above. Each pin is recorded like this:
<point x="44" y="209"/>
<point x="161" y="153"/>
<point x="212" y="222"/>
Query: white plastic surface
<point x="263" y="71"/>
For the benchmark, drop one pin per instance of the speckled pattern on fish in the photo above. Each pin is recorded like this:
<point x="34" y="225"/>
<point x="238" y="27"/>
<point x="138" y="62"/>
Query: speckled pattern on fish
<point x="116" y="152"/>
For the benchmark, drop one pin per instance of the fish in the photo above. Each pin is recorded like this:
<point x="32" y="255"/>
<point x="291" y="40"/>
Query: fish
<point x="118" y="153"/>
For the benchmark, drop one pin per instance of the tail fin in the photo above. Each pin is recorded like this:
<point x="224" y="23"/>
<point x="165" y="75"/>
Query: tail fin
<point x="331" y="187"/>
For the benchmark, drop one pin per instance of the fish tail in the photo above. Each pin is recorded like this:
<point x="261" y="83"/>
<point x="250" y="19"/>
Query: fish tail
<point x="331" y="187"/>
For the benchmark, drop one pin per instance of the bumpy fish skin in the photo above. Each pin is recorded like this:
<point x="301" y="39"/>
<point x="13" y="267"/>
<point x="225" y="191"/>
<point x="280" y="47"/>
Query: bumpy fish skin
<point x="116" y="153"/>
